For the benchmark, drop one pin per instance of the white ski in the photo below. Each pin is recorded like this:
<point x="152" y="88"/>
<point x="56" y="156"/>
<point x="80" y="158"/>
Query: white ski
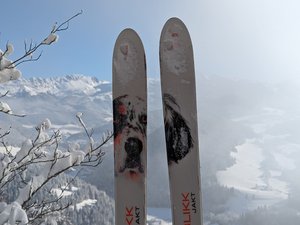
<point x="180" y="120"/>
<point x="130" y="127"/>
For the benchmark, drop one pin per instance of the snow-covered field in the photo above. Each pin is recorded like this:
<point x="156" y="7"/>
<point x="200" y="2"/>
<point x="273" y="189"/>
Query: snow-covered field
<point x="247" y="176"/>
<point x="264" y="171"/>
<point x="259" y="183"/>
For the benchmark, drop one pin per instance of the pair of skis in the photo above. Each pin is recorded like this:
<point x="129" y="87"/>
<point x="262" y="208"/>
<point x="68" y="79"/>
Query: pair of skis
<point x="180" y="120"/>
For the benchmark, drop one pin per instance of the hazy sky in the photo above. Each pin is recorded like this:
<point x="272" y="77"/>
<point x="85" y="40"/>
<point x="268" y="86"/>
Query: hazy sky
<point x="253" y="39"/>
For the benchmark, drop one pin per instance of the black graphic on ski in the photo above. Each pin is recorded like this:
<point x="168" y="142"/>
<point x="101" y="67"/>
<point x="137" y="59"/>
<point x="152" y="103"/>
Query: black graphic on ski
<point x="178" y="134"/>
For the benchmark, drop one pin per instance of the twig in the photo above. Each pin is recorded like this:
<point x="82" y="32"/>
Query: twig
<point x="33" y="48"/>
<point x="3" y="95"/>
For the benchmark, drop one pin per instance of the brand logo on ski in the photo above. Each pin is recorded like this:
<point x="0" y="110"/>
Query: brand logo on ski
<point x="178" y="134"/>
<point x="188" y="207"/>
<point x="132" y="215"/>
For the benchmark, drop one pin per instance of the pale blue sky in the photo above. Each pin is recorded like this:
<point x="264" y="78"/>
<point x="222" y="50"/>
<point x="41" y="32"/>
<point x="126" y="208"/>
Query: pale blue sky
<point x="252" y="39"/>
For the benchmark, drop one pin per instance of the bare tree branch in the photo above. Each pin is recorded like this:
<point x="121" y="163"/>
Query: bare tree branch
<point x="53" y="162"/>
<point x="6" y="93"/>
<point x="13" y="114"/>
<point x="66" y="23"/>
<point x="32" y="48"/>
<point x="5" y="134"/>
<point x="40" y="160"/>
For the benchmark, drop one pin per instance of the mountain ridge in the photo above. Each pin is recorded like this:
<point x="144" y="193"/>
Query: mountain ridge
<point x="70" y="84"/>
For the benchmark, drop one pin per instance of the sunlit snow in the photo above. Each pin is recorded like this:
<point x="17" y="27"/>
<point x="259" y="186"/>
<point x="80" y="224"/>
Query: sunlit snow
<point x="87" y="202"/>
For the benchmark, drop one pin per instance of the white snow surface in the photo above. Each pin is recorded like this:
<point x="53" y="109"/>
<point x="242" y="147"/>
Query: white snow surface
<point x="58" y="86"/>
<point x="86" y="202"/>
<point x="247" y="177"/>
<point x="260" y="185"/>
<point x="11" y="149"/>
<point x="9" y="49"/>
<point x="61" y="192"/>
<point x="8" y="71"/>
<point x="52" y="37"/>
<point x="12" y="214"/>
<point x="248" y="158"/>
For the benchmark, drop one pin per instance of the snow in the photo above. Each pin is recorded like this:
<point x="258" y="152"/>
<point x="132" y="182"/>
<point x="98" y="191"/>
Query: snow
<point x="12" y="150"/>
<point x="53" y="162"/>
<point x="28" y="126"/>
<point x="246" y="176"/>
<point x="9" y="74"/>
<point x="260" y="162"/>
<point x="67" y="129"/>
<point x="12" y="214"/>
<point x="161" y="213"/>
<point x="60" y="86"/>
<point x="52" y="37"/>
<point x="248" y="157"/>
<point x="108" y="119"/>
<point x="87" y="202"/>
<point x="79" y="114"/>
<point x="64" y="191"/>
<point x="159" y="216"/>
<point x="7" y="70"/>
<point x="80" y="84"/>
<point x="47" y="123"/>
<point x="9" y="49"/>
<point x="74" y="188"/>
<point x="61" y="192"/>
<point x="156" y="221"/>
<point x="50" y="221"/>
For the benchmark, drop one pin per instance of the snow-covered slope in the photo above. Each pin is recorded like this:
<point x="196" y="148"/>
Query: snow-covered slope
<point x="230" y="113"/>
<point x="58" y="86"/>
<point x="58" y="99"/>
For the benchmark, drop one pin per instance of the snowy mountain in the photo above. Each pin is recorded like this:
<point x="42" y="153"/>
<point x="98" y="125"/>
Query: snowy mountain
<point x="58" y="86"/>
<point x="247" y="130"/>
<point x="59" y="99"/>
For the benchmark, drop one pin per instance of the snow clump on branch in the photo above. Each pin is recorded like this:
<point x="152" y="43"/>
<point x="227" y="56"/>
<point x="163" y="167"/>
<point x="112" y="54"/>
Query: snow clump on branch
<point x="50" y="39"/>
<point x="8" y="70"/>
<point x="4" y="107"/>
<point x="13" y="214"/>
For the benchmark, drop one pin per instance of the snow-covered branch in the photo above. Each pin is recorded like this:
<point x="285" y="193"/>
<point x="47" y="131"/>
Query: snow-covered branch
<point x="8" y="67"/>
<point x="45" y="160"/>
<point x="28" y="170"/>
<point x="93" y="152"/>
<point x="3" y="95"/>
<point x="8" y="70"/>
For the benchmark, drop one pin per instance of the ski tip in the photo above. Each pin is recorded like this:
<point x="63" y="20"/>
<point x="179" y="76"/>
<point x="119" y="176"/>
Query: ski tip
<point x="129" y="55"/>
<point x="174" y="26"/>
<point x="125" y="38"/>
<point x="174" y="20"/>
<point x="176" y="49"/>
<point x="127" y="33"/>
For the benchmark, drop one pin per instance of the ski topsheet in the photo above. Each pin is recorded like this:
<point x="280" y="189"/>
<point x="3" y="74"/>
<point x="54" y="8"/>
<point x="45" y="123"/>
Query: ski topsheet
<point x="180" y="121"/>
<point x="130" y="127"/>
